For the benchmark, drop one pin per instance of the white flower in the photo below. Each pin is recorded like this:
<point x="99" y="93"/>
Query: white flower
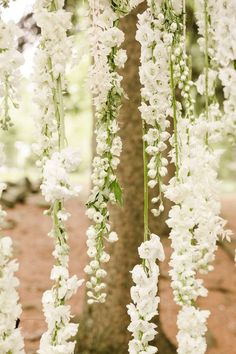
<point x="155" y="80"/>
<point x="11" y="340"/>
<point x="120" y="58"/>
<point x="56" y="180"/>
<point x="192" y="328"/>
<point x="113" y="37"/>
<point x="105" y="39"/>
<point x="144" y="297"/>
<point x="57" y="162"/>
<point x="194" y="221"/>
<point x="10" y="61"/>
<point x="200" y="84"/>
<point x="113" y="237"/>
<point x="152" y="249"/>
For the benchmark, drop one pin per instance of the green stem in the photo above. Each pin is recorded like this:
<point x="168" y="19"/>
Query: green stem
<point x="6" y="104"/>
<point x="54" y="6"/>
<point x="184" y="23"/>
<point x="206" y="58"/>
<point x="61" y="115"/>
<point x="145" y="178"/>
<point x="206" y="64"/>
<point x="172" y="83"/>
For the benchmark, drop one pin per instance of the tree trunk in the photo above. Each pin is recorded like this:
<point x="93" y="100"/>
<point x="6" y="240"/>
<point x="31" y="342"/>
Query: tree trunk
<point x="103" y="327"/>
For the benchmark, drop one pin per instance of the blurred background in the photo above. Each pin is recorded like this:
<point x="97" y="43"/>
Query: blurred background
<point x="22" y="199"/>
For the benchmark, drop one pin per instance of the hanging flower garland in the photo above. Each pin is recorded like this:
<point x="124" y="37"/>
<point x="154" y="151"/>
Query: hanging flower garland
<point x="154" y="77"/>
<point x="144" y="296"/>
<point x="11" y="340"/>
<point x="222" y="15"/>
<point x="106" y="39"/>
<point x="57" y="161"/>
<point x="156" y="93"/>
<point x="194" y="219"/>
<point x="163" y="70"/>
<point x="182" y="105"/>
<point x="206" y="83"/>
<point x="195" y="227"/>
<point x="10" y="61"/>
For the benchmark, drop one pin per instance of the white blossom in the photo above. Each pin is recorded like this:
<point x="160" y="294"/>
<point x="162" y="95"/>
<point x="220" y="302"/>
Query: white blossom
<point x="56" y="183"/>
<point x="10" y="310"/>
<point x="194" y="220"/>
<point x="223" y="17"/>
<point x="192" y="329"/>
<point x="144" y="297"/>
<point x="10" y="61"/>
<point x="57" y="162"/>
<point x="11" y="340"/>
<point x="105" y="39"/>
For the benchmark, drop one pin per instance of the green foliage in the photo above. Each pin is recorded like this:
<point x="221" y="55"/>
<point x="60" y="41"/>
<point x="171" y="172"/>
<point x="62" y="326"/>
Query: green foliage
<point x="116" y="189"/>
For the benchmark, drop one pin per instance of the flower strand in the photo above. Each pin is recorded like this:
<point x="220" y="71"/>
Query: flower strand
<point x="10" y="61"/>
<point x="194" y="221"/>
<point x="106" y="39"/>
<point x="11" y="340"/>
<point x="155" y="99"/>
<point x="144" y="296"/>
<point x="57" y="161"/>
<point x="154" y="79"/>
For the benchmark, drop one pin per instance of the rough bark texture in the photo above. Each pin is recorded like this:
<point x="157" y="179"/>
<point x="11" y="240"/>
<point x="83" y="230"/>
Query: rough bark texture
<point x="103" y="328"/>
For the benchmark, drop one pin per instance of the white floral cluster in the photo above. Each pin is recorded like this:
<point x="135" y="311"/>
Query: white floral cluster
<point x="206" y="83"/>
<point x="172" y="14"/>
<point x="194" y="220"/>
<point x="106" y="39"/>
<point x="227" y="76"/>
<point x="49" y="73"/>
<point x="57" y="339"/>
<point x="203" y="13"/>
<point x="221" y="42"/>
<point x="57" y="163"/>
<point x="10" y="61"/>
<point x="56" y="183"/>
<point x="180" y="74"/>
<point x="155" y="92"/>
<point x="11" y="340"/>
<point x="223" y="16"/>
<point x="192" y="329"/>
<point x="144" y="297"/>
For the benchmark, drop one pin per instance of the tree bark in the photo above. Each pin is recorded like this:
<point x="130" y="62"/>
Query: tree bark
<point x="103" y="327"/>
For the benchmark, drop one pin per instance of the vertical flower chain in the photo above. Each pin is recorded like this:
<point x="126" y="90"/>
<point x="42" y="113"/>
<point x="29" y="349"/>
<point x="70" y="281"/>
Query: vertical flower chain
<point x="155" y="99"/>
<point x="206" y="83"/>
<point x="106" y="39"/>
<point x="11" y="60"/>
<point x="174" y="19"/>
<point x="223" y="16"/>
<point x="154" y="79"/>
<point x="11" y="340"/>
<point x="195" y="194"/>
<point x="57" y="161"/>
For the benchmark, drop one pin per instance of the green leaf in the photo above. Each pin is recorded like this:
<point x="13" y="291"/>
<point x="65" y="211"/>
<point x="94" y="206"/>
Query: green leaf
<point x="116" y="189"/>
